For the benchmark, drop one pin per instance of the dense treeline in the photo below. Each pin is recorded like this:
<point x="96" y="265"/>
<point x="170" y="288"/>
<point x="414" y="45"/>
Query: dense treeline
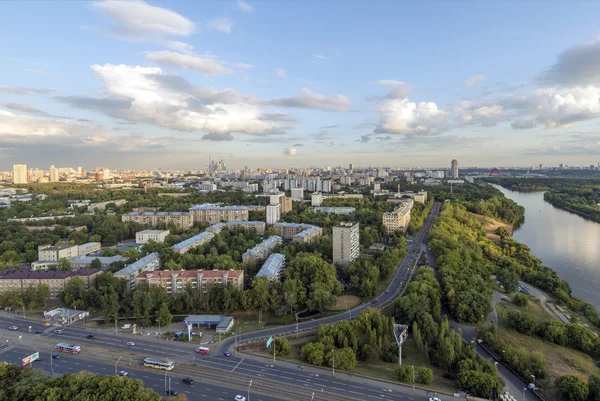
<point x="25" y="384"/>
<point x="574" y="336"/>
<point x="420" y="307"/>
<point x="464" y="270"/>
<point x="369" y="337"/>
<point x="419" y="214"/>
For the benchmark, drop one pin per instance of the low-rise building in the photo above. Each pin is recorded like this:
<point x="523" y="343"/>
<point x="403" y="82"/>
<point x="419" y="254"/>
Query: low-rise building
<point x="211" y="213"/>
<point x="48" y="253"/>
<point x="399" y="219"/>
<point x="262" y="250"/>
<point x="178" y="219"/>
<point x="298" y="232"/>
<point x="142" y="237"/>
<point x="175" y="281"/>
<point x="257" y="226"/>
<point x="216" y="228"/>
<point x="21" y="279"/>
<point x="193" y="242"/>
<point x="79" y="262"/>
<point x="308" y="235"/>
<point x="273" y="267"/>
<point x="335" y="210"/>
<point x="88" y="247"/>
<point x="149" y="262"/>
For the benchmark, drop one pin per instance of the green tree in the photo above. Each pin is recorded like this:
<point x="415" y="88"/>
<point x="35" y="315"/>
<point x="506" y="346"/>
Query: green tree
<point x="313" y="353"/>
<point x="96" y="264"/>
<point x="594" y="388"/>
<point x="521" y="300"/>
<point x="344" y="358"/>
<point x="164" y="316"/>
<point x="572" y="388"/>
<point x="10" y="257"/>
<point x="404" y="373"/>
<point x="320" y="297"/>
<point x="42" y="294"/>
<point x="74" y="294"/>
<point x="64" y="265"/>
<point x="30" y="255"/>
<point x="424" y="376"/>
<point x="282" y="346"/>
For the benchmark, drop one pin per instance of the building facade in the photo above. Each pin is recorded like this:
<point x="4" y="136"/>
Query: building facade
<point x="399" y="219"/>
<point x="286" y="206"/>
<point x="149" y="262"/>
<point x="47" y="253"/>
<point x="346" y="243"/>
<point x="335" y="210"/>
<point x="19" y="173"/>
<point x="273" y="213"/>
<point x="193" y="242"/>
<point x="273" y="267"/>
<point x="257" y="226"/>
<point x="200" y="280"/>
<point x="211" y="214"/>
<point x="88" y="247"/>
<point x="454" y="169"/>
<point x="178" y="219"/>
<point x="262" y="250"/>
<point x="21" y="279"/>
<point x="142" y="237"/>
<point x="297" y="194"/>
<point x="316" y="199"/>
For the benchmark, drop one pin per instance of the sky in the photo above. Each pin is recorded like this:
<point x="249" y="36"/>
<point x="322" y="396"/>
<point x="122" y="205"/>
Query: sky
<point x="134" y="84"/>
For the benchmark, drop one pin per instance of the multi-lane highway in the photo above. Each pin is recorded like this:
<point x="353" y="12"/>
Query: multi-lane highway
<point x="280" y="379"/>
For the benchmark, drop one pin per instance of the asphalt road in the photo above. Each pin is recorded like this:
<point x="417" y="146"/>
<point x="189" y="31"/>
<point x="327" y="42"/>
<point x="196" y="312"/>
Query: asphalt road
<point x="285" y="373"/>
<point x="69" y="364"/>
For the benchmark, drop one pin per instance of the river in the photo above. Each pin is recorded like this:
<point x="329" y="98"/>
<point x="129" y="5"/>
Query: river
<point x="564" y="241"/>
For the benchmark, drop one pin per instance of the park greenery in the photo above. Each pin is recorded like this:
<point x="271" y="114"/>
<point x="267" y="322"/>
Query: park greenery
<point x="421" y="309"/>
<point x="25" y="384"/>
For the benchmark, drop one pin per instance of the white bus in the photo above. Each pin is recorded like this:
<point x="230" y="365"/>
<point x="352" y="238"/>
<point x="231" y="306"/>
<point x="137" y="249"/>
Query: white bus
<point x="75" y="349"/>
<point x="159" y="363"/>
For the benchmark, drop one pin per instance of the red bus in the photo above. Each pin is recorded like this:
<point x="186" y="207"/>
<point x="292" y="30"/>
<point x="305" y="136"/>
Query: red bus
<point x="203" y="350"/>
<point x="75" y="349"/>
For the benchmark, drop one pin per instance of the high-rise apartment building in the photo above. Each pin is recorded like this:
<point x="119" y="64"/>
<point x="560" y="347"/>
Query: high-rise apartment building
<point x="454" y="169"/>
<point x="19" y="174"/>
<point x="273" y="213"/>
<point x="286" y="205"/>
<point x="297" y="194"/>
<point x="54" y="176"/>
<point x="346" y="243"/>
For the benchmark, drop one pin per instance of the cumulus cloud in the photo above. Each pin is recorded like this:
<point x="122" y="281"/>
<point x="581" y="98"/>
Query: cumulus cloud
<point x="145" y="94"/>
<point x="579" y="65"/>
<point x="137" y="20"/>
<point x="218" y="24"/>
<point x="313" y="100"/>
<point x="20" y="90"/>
<point x="205" y="65"/>
<point x="22" y="107"/>
<point x="289" y="151"/>
<point x="486" y="115"/>
<point x="282" y="73"/>
<point x="245" y="6"/>
<point x="474" y="79"/>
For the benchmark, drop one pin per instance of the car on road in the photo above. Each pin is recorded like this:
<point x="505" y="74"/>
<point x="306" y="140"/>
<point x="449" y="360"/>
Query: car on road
<point x="240" y="398"/>
<point x="55" y="356"/>
<point x="122" y="373"/>
<point x="227" y="353"/>
<point x="505" y="299"/>
<point x="38" y="332"/>
<point x="531" y="386"/>
<point x="172" y="391"/>
<point x="13" y="328"/>
<point x="59" y="331"/>
<point x="46" y="324"/>
<point x="479" y="341"/>
<point x="187" y="380"/>
<point x="387" y="291"/>
<point x="91" y="336"/>
<point x="130" y="344"/>
<point x="374" y="301"/>
<point x="434" y="399"/>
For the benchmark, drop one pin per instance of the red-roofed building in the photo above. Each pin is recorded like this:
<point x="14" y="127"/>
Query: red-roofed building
<point x="175" y="281"/>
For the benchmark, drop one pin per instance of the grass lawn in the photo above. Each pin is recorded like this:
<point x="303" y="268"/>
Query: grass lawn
<point x="533" y="310"/>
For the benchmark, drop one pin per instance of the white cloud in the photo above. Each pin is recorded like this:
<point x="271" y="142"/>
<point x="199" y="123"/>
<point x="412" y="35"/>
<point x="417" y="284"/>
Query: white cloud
<point x="205" y="65"/>
<point x="245" y="6"/>
<point x="145" y="94"/>
<point x="242" y="66"/>
<point x="319" y="58"/>
<point x="474" y="79"/>
<point x="289" y="151"/>
<point x="486" y="115"/>
<point x="219" y="24"/>
<point x="20" y="90"/>
<point x="137" y="20"/>
<point x="388" y="82"/>
<point x="313" y="100"/>
<point x="282" y="73"/>
<point x="181" y="47"/>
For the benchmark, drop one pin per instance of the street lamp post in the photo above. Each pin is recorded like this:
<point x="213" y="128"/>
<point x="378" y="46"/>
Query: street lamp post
<point x="51" y="365"/>
<point x="313" y="397"/>
<point x="413" y="369"/>
<point x="333" y="361"/>
<point x="166" y="371"/>
<point x="524" y="388"/>
<point x="533" y="377"/>
<point x="116" y="364"/>
<point x="250" y="384"/>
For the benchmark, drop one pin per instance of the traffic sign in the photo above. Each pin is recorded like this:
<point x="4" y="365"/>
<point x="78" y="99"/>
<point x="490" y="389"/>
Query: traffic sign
<point x="269" y="341"/>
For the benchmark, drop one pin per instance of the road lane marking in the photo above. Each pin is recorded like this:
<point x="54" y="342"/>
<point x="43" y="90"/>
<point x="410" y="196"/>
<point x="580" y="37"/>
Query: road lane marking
<point x="237" y="364"/>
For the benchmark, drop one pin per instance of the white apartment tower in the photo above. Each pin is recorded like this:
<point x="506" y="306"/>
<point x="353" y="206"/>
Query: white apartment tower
<point x="54" y="176"/>
<point x="346" y="243"/>
<point x="454" y="169"/>
<point x="19" y="174"/>
<point x="273" y="213"/>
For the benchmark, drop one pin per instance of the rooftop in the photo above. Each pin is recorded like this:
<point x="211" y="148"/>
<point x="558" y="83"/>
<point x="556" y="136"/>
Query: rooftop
<point x="59" y="247"/>
<point x="138" y="264"/>
<point x="272" y="265"/>
<point x="153" y="232"/>
<point x="245" y="223"/>
<point x="296" y="225"/>
<point x="190" y="241"/>
<point x="212" y="206"/>
<point x="308" y="231"/>
<point x="105" y="260"/>
<point x="269" y="243"/>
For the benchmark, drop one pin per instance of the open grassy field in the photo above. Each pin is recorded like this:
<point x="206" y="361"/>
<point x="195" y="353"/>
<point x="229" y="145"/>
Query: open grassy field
<point x="344" y="302"/>
<point x="491" y="225"/>
<point x="533" y="310"/>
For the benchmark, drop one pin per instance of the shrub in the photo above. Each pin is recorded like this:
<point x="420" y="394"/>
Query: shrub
<point x="404" y="373"/>
<point x="521" y="300"/>
<point x="424" y="376"/>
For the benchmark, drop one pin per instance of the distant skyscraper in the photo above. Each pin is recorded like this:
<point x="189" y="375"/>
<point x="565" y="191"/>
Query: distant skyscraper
<point x="346" y="243"/>
<point x="54" y="176"/>
<point x="454" y="169"/>
<point x="351" y="166"/>
<point x="19" y="173"/>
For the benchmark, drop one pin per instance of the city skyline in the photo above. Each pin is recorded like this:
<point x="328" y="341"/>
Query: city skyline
<point x="141" y="85"/>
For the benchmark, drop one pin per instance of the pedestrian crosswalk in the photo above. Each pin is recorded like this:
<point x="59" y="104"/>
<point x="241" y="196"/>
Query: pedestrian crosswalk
<point x="6" y="349"/>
